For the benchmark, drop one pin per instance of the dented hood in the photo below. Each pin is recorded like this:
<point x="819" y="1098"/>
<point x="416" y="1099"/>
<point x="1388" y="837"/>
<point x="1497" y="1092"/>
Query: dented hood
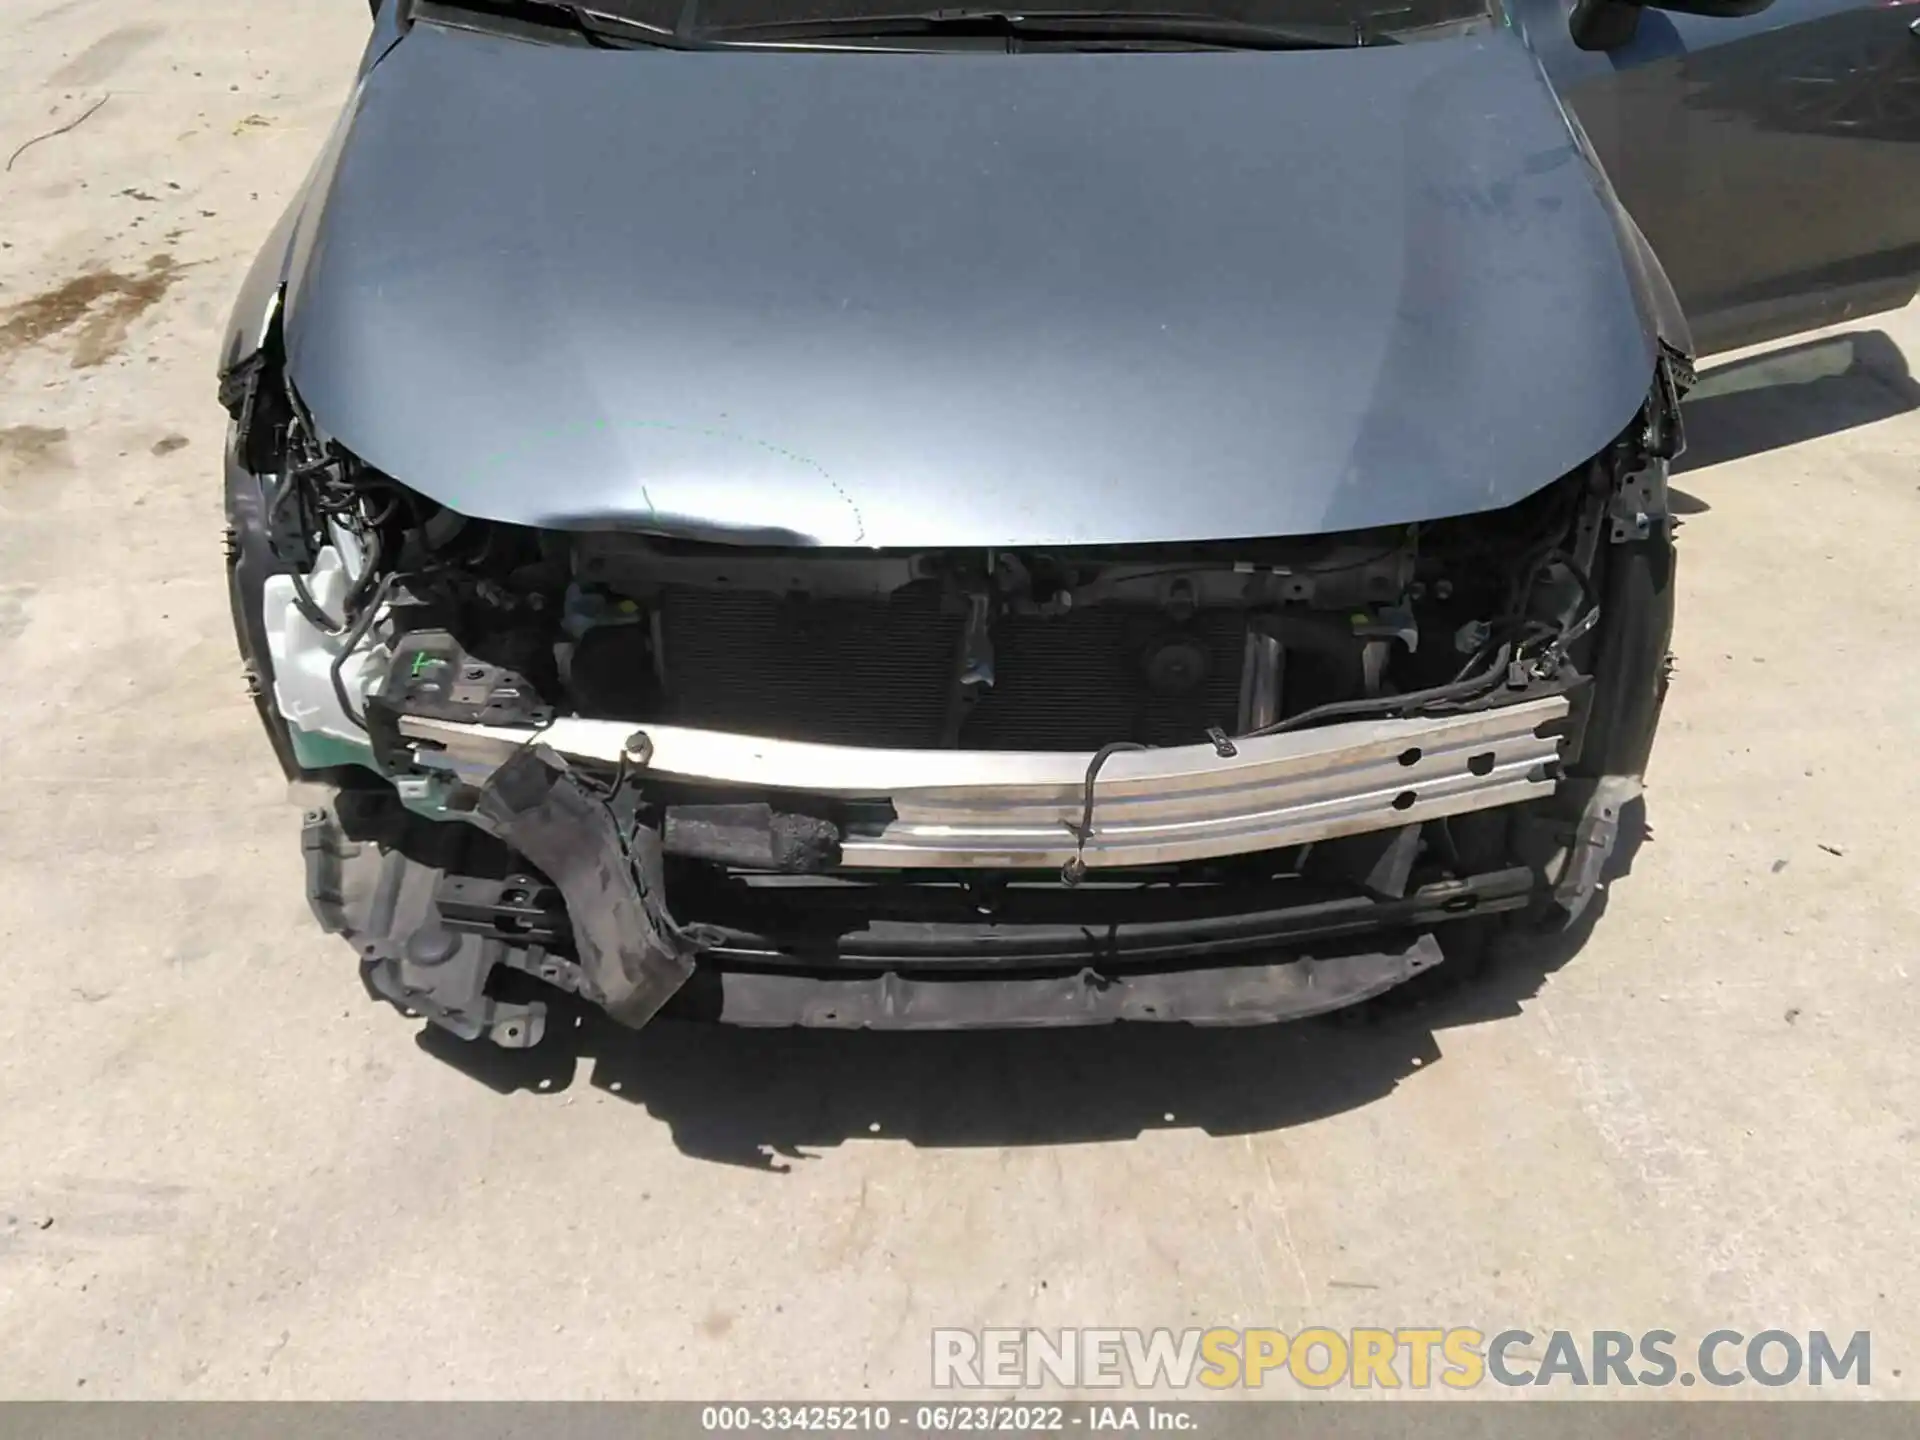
<point x="966" y="300"/>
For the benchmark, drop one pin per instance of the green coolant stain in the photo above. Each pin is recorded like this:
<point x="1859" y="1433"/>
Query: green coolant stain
<point x="315" y="751"/>
<point x="319" y="752"/>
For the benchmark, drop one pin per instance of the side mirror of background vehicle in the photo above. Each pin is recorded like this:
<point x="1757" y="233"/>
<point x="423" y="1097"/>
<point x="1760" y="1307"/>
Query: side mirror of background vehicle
<point x="1609" y="24"/>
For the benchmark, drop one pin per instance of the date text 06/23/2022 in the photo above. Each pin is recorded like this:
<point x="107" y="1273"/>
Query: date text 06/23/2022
<point x="948" y="1417"/>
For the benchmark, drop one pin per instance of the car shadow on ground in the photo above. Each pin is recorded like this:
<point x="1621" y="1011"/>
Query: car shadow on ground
<point x="767" y="1098"/>
<point x="1796" y="392"/>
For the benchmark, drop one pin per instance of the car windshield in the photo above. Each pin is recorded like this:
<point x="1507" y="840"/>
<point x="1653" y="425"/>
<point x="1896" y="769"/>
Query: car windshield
<point x="1369" y="17"/>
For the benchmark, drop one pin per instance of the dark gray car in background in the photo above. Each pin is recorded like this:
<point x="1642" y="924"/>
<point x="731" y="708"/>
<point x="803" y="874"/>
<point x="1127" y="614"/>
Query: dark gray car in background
<point x="825" y="513"/>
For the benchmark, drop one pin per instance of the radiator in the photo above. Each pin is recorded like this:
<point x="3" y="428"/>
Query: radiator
<point x="881" y="672"/>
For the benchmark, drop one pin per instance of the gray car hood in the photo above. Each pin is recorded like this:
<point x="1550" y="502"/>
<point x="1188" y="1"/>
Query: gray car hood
<point x="963" y="300"/>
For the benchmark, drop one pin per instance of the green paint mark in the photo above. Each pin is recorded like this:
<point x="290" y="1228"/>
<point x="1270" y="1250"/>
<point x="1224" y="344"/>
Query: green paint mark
<point x="421" y="660"/>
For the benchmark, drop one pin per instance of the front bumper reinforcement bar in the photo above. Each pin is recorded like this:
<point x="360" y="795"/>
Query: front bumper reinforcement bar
<point x="1017" y="810"/>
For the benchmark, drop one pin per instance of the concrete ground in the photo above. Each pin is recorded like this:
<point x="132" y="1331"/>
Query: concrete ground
<point x="225" y="1173"/>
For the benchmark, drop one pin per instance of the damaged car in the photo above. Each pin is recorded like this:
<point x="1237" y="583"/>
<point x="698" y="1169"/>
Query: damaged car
<point x="844" y="515"/>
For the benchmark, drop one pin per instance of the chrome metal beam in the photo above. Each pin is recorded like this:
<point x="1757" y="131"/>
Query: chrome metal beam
<point x="1013" y="809"/>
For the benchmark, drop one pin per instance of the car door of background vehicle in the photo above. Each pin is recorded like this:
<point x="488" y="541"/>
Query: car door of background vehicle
<point x="1772" y="161"/>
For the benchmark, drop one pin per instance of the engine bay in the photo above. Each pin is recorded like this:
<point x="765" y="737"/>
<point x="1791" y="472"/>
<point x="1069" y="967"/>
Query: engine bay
<point x="384" y="602"/>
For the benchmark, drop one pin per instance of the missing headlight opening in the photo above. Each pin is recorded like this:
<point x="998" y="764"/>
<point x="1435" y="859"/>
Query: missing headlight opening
<point x="939" y="787"/>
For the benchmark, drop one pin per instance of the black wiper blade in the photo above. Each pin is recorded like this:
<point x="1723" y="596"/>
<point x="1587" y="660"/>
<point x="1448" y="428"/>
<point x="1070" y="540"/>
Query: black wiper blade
<point x="1170" y="27"/>
<point x="542" y="18"/>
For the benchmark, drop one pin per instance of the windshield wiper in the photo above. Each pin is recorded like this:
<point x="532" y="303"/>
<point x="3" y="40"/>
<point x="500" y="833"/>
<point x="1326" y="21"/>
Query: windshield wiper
<point x="542" y="18"/>
<point x="1063" y="25"/>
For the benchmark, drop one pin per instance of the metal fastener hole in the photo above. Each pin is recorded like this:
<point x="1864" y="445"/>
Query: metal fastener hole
<point x="1410" y="756"/>
<point x="1481" y="764"/>
<point x="1404" y="800"/>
